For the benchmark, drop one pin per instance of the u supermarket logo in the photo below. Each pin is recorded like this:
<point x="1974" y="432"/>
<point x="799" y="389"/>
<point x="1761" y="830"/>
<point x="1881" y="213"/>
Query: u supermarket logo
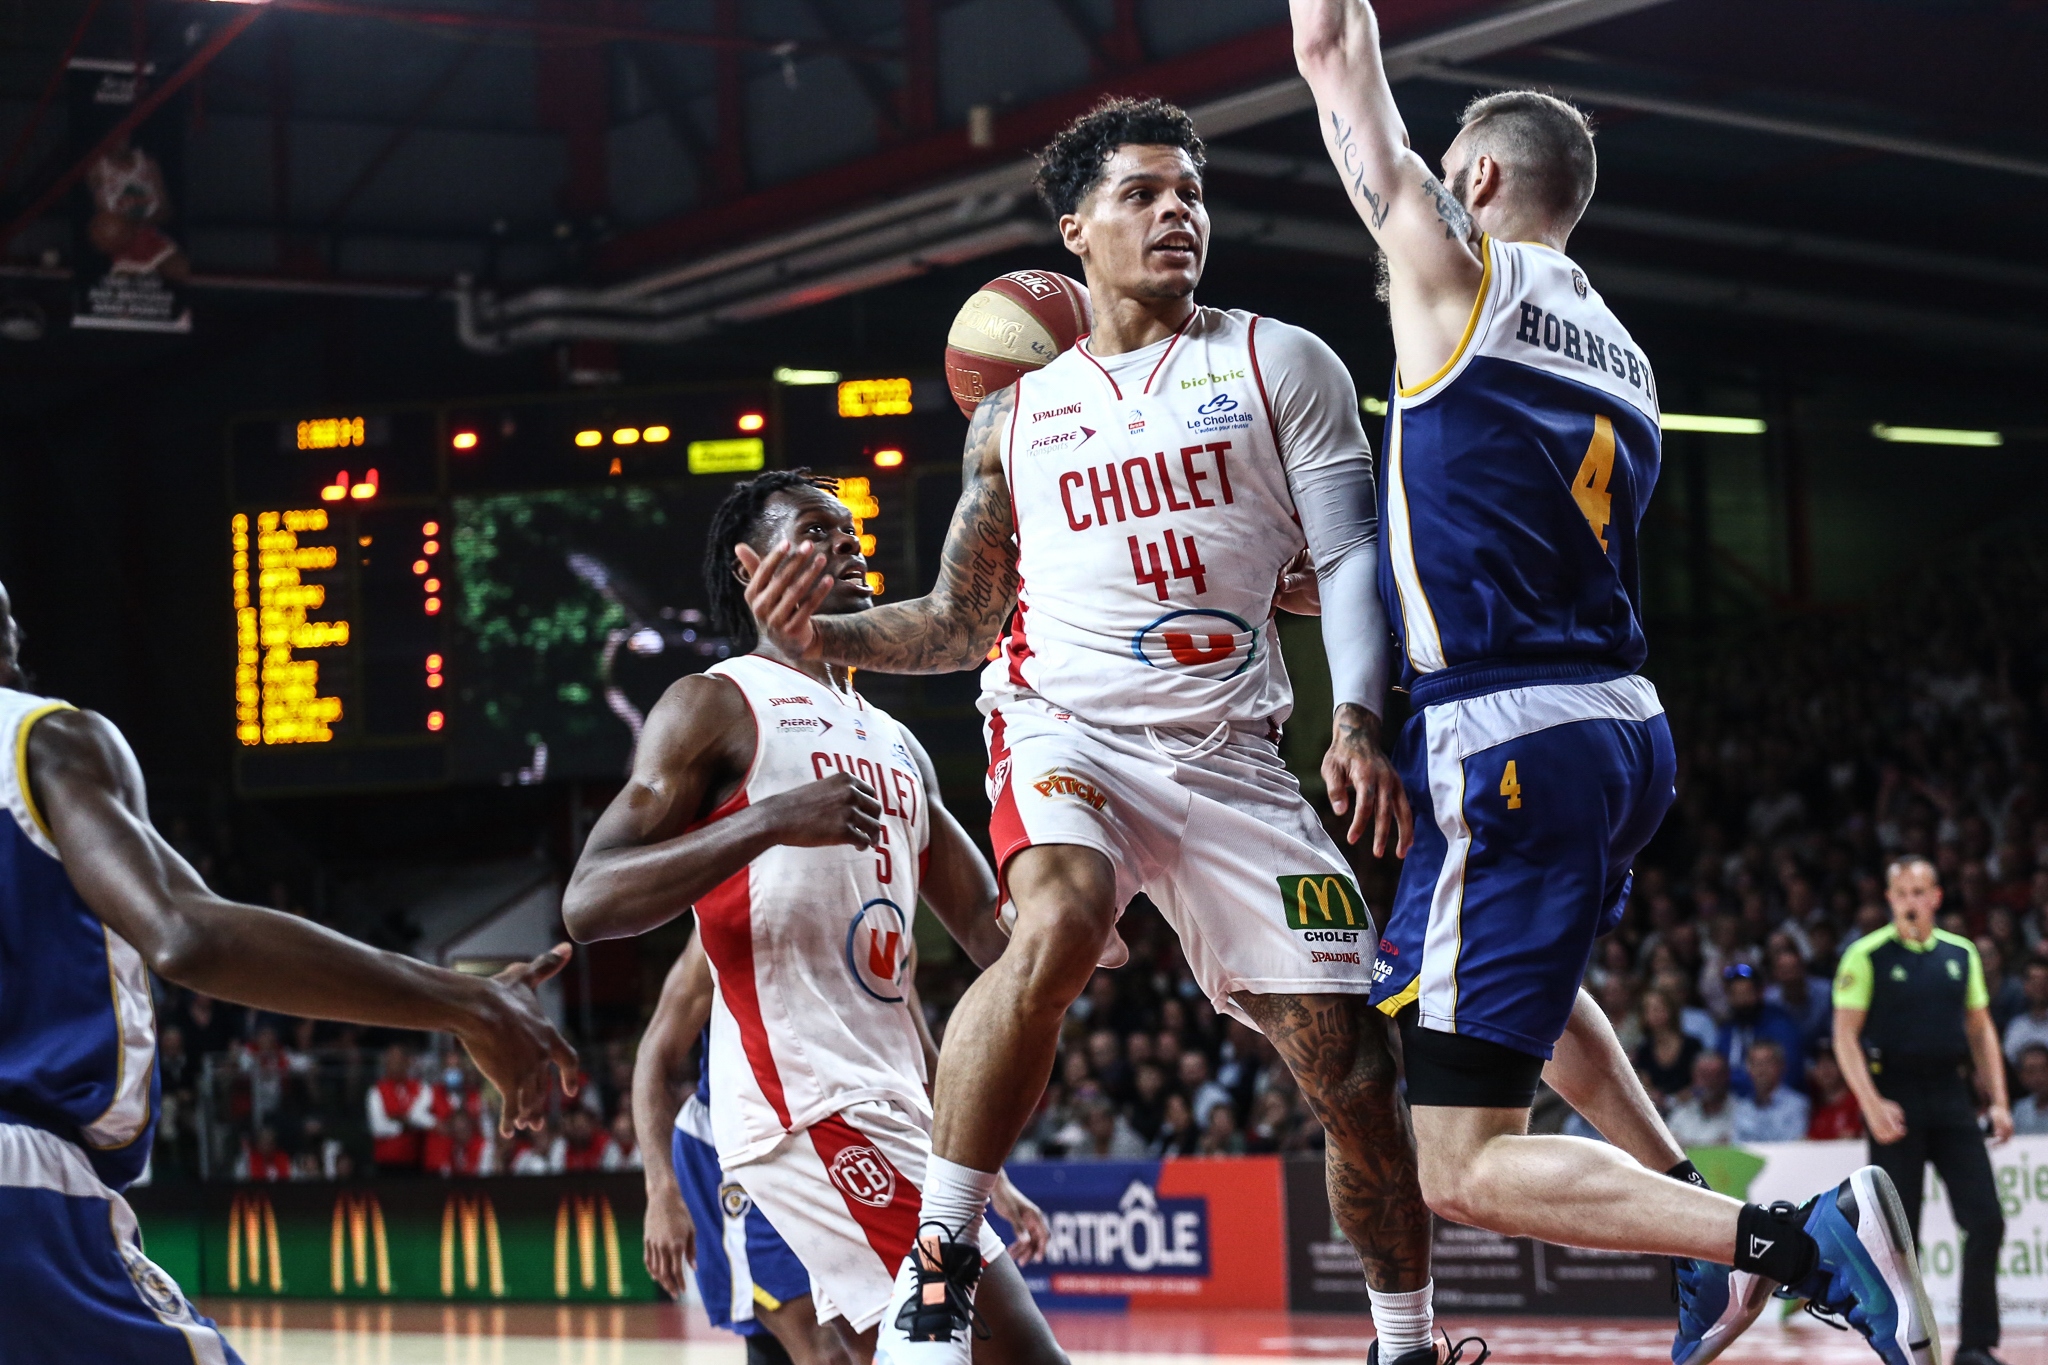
<point x="1209" y="644"/>
<point x="878" y="949"/>
<point x="1322" y="901"/>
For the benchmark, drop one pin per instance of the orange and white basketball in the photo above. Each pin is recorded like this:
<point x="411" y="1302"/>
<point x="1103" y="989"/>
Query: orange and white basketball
<point x="1013" y="325"/>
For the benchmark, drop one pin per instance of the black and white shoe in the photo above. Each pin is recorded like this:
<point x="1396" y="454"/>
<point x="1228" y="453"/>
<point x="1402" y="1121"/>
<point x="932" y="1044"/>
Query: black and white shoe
<point x="1427" y="1355"/>
<point x="930" y="1319"/>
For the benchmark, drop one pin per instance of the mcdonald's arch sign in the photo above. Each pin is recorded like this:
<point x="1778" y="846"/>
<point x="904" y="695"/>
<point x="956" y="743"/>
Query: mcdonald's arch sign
<point x="543" y="1239"/>
<point x="472" y="1218"/>
<point x="591" y="1216"/>
<point x="1324" y="902"/>
<point x="254" y="1255"/>
<point x="357" y="1241"/>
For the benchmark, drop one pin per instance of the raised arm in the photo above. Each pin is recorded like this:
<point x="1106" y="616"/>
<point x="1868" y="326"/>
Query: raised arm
<point x="948" y="629"/>
<point x="957" y="883"/>
<point x="648" y="860"/>
<point x="1433" y="263"/>
<point x="662" y="1077"/>
<point x="89" y="790"/>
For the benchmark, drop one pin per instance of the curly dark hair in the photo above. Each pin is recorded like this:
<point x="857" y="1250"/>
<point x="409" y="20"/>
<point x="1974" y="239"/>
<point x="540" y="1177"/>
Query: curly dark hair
<point x="738" y="519"/>
<point x="1071" y="164"/>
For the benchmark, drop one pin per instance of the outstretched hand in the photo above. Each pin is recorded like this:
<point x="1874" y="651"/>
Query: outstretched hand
<point x="1362" y="781"/>
<point x="784" y="588"/>
<point x="670" y="1240"/>
<point x="1033" y="1232"/>
<point x="513" y="1042"/>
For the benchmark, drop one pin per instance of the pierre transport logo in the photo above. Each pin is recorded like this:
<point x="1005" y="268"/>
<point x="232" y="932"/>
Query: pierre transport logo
<point x="1137" y="1244"/>
<point x="864" y="1176"/>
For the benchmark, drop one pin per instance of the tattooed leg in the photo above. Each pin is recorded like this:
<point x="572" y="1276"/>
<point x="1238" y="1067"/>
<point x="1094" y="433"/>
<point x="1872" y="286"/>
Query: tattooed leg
<point x="1337" y="1048"/>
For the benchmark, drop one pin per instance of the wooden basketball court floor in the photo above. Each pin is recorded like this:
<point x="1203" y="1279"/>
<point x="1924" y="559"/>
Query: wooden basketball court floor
<point x="304" y="1333"/>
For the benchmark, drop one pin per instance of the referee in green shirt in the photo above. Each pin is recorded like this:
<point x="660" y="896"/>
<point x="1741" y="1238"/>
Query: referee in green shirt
<point x="1910" y="999"/>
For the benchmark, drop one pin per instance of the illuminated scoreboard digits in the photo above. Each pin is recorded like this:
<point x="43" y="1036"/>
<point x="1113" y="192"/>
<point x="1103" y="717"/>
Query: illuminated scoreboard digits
<point x="278" y="698"/>
<point x="858" y="495"/>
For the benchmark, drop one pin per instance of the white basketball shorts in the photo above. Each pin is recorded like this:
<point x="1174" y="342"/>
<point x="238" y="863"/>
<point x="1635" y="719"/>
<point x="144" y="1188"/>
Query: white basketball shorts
<point x="845" y="1194"/>
<point x="1223" y="842"/>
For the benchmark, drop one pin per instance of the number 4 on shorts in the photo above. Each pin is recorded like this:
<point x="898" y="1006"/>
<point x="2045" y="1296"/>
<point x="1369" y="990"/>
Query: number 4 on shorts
<point x="1511" y="786"/>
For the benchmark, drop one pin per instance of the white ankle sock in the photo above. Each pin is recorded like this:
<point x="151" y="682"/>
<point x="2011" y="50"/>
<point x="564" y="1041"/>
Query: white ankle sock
<point x="955" y="1196"/>
<point x="1405" y="1322"/>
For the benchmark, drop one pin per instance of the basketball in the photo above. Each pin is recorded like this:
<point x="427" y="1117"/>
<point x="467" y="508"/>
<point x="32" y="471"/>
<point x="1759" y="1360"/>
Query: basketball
<point x="1014" y="324"/>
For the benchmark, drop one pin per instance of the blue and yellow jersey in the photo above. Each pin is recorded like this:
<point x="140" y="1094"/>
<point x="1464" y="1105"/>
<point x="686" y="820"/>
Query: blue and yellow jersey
<point x="1515" y="479"/>
<point x="77" y="1028"/>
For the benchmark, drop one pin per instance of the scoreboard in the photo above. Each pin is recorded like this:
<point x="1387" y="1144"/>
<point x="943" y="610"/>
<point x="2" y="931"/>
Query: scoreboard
<point x="498" y="591"/>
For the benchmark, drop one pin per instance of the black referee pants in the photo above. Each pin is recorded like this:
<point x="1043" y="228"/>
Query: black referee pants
<point x="1941" y="1127"/>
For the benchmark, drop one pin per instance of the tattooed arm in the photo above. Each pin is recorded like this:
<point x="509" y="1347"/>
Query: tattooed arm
<point x="1431" y="247"/>
<point x="948" y="629"/>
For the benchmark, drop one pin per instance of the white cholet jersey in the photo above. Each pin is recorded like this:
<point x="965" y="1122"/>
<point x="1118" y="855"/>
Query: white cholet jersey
<point x="810" y="947"/>
<point x="1154" y="497"/>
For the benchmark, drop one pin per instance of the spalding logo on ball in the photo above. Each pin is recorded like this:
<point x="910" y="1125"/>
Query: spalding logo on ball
<point x="1013" y="325"/>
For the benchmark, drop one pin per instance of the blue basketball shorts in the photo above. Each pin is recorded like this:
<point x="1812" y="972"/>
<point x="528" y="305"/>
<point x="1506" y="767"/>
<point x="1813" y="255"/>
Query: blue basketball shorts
<point x="1530" y="805"/>
<point x="74" y="1284"/>
<point x="742" y="1262"/>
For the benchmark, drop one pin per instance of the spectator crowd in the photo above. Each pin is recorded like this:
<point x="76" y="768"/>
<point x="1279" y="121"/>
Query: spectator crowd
<point x="292" y="1099"/>
<point x="1810" y="755"/>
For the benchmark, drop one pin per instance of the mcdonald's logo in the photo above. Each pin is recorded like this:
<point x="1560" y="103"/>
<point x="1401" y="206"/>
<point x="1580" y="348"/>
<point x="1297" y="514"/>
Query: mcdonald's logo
<point x="584" y="1213"/>
<point x="469" y="1216"/>
<point x="252" y="1245"/>
<point x="358" y="1230"/>
<point x="1322" y="901"/>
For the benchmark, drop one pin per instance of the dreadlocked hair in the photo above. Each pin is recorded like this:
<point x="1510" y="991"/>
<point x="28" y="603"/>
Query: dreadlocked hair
<point x="738" y="519"/>
<point x="1072" y="163"/>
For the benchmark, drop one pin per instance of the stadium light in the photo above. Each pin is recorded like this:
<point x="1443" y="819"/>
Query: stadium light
<point x="1715" y="426"/>
<point x="464" y="440"/>
<point x="888" y="459"/>
<point x="752" y="421"/>
<point x="799" y="378"/>
<point x="588" y="438"/>
<point x="1936" y="436"/>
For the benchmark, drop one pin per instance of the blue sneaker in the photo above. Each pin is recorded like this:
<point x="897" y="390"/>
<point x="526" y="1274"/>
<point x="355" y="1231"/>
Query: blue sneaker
<point x="1867" y="1274"/>
<point x="1716" y="1304"/>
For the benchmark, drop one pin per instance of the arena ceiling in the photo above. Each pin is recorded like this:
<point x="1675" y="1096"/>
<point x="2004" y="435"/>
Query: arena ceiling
<point x="658" y="171"/>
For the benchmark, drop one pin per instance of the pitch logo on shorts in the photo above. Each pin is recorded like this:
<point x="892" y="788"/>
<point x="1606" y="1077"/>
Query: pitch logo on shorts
<point x="1057" y="783"/>
<point x="1324" y="907"/>
<point x="864" y="1176"/>
<point x="878" y="949"/>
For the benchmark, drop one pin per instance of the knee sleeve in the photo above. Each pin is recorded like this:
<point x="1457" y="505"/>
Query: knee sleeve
<point x="1454" y="1071"/>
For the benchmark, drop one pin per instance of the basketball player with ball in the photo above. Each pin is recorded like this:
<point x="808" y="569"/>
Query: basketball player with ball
<point x="1129" y="510"/>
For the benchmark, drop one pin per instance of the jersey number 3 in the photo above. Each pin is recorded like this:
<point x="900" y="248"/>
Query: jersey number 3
<point x="1589" y="485"/>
